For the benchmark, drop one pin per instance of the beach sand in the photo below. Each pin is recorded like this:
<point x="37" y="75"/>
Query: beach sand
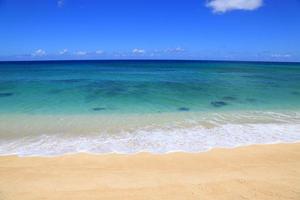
<point x="255" y="172"/>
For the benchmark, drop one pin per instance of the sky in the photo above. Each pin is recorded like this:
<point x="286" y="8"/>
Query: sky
<point x="259" y="30"/>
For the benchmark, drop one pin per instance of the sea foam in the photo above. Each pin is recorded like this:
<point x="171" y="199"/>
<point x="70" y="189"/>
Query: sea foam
<point x="154" y="140"/>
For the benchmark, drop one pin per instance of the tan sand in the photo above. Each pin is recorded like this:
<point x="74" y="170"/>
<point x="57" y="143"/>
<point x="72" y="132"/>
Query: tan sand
<point x="256" y="172"/>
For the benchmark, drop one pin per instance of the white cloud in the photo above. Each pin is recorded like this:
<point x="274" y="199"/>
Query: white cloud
<point x="99" y="52"/>
<point x="64" y="51"/>
<point x="60" y="3"/>
<point x="178" y="49"/>
<point x="138" y="51"/>
<point x="81" y="53"/>
<point x="222" y="6"/>
<point x="175" y="50"/>
<point x="281" y="55"/>
<point x="39" y="52"/>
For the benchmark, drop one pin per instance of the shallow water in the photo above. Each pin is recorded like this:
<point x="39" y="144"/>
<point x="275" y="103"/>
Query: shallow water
<point x="145" y="102"/>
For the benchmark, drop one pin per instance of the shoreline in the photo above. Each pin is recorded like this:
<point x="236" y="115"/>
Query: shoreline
<point x="148" y="152"/>
<point x="270" y="171"/>
<point x="187" y="132"/>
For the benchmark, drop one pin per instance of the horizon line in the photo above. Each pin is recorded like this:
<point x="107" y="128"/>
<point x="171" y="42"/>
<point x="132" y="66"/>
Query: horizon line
<point x="180" y="60"/>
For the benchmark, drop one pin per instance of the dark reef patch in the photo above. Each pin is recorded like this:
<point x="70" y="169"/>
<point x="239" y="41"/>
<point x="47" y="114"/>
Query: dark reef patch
<point x="295" y="93"/>
<point x="183" y="109"/>
<point x="218" y="104"/>
<point x="6" y="94"/>
<point x="99" y="109"/>
<point x="229" y="98"/>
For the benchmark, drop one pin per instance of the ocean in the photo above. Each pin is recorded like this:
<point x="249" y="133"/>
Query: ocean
<point x="60" y="107"/>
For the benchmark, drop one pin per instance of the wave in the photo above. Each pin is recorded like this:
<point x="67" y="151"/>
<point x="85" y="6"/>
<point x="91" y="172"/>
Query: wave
<point x="155" y="140"/>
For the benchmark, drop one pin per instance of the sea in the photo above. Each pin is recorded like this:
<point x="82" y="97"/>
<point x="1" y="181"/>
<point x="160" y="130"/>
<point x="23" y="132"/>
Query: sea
<point x="51" y="108"/>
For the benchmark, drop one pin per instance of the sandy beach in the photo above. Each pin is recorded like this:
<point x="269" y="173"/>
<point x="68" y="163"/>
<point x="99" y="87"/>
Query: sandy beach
<point x="255" y="172"/>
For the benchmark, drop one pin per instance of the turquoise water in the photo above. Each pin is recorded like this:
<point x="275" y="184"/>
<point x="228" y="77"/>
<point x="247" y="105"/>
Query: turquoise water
<point x="53" y="108"/>
<point x="99" y="87"/>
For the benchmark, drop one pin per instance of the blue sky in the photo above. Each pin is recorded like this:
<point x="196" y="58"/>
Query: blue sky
<point x="150" y="29"/>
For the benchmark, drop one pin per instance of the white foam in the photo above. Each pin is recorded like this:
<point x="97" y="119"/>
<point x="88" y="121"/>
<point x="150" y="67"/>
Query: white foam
<point x="156" y="140"/>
